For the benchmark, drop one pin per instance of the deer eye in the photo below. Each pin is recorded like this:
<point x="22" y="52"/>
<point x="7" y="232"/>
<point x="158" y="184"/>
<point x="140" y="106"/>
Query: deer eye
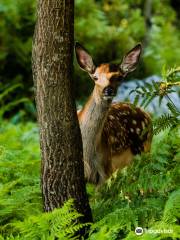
<point x="95" y="78"/>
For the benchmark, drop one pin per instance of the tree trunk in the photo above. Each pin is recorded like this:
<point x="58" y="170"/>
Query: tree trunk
<point x="60" y="139"/>
<point x="147" y="18"/>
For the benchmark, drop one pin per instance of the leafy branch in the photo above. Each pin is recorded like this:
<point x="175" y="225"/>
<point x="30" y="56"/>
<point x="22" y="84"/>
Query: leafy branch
<point x="162" y="89"/>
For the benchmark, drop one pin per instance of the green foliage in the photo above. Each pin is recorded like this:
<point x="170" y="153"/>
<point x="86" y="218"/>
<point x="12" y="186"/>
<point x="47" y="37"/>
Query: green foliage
<point x="21" y="214"/>
<point x="58" y="224"/>
<point x="165" y="121"/>
<point x="19" y="172"/>
<point x="17" y="19"/>
<point x="107" y="28"/>
<point x="161" y="90"/>
<point x="4" y="94"/>
<point x="172" y="208"/>
<point x="145" y="194"/>
<point x="163" y="38"/>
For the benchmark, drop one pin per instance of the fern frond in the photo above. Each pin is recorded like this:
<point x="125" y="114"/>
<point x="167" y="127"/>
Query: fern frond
<point x="161" y="89"/>
<point x="8" y="90"/>
<point x="164" y="122"/>
<point x="172" y="208"/>
<point x="173" y="109"/>
<point x="10" y="105"/>
<point x="171" y="75"/>
<point x="59" y="224"/>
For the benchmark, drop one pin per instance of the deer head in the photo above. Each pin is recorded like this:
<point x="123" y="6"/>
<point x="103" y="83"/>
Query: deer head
<point x="107" y="76"/>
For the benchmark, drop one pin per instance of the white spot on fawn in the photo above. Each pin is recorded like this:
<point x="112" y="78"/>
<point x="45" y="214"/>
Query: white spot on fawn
<point x="138" y="130"/>
<point x="111" y="117"/>
<point x="143" y="125"/>
<point x="132" y="130"/>
<point x="146" y="121"/>
<point x="112" y="139"/>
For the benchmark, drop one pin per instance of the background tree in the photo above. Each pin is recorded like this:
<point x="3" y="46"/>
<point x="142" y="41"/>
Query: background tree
<point x="61" y="144"/>
<point x="124" y="23"/>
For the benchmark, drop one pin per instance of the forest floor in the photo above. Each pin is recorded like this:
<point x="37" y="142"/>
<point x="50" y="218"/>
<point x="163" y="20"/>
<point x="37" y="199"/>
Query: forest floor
<point x="145" y="195"/>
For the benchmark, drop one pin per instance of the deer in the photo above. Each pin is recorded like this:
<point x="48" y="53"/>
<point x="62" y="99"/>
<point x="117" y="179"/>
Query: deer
<point x="112" y="132"/>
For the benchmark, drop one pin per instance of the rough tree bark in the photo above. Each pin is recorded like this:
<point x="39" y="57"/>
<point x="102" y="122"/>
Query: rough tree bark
<point x="60" y="140"/>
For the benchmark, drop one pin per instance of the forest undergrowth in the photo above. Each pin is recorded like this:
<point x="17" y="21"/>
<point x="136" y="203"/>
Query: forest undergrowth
<point x="146" y="194"/>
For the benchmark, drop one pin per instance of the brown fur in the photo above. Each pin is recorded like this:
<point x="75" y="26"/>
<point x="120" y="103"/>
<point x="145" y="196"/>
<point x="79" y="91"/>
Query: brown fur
<point x="119" y="130"/>
<point x="127" y="131"/>
<point x="111" y="133"/>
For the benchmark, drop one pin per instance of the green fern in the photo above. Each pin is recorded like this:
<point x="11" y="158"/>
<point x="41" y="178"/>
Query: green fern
<point x="5" y="105"/>
<point x="139" y="195"/>
<point x="122" y="219"/>
<point x="158" y="89"/>
<point x="19" y="172"/>
<point x="172" y="208"/>
<point x="170" y="75"/>
<point x="161" y="90"/>
<point x="58" y="224"/>
<point x="165" y="121"/>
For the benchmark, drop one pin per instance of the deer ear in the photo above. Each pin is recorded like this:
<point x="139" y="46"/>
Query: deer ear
<point x="131" y="59"/>
<point x="84" y="59"/>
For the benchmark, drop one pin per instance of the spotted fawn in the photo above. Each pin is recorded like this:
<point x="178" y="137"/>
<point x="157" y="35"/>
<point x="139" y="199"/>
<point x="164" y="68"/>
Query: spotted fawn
<point x="112" y="133"/>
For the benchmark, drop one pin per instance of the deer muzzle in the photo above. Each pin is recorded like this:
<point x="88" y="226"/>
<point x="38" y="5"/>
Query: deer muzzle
<point x="109" y="92"/>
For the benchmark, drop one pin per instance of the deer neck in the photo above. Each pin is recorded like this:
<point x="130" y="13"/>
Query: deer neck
<point x="91" y="121"/>
<point x="94" y="114"/>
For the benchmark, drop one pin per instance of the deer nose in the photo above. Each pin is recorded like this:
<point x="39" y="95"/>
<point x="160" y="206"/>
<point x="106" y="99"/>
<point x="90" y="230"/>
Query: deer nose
<point x="109" y="91"/>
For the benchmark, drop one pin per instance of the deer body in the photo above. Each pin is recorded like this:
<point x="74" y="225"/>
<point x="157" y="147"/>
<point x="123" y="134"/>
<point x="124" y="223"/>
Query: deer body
<point x="111" y="133"/>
